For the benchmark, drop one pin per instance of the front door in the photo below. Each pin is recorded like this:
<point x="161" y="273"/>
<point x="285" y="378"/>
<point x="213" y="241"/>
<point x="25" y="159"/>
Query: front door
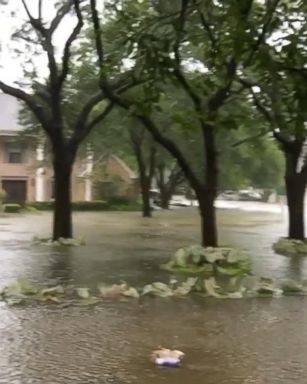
<point x="16" y="190"/>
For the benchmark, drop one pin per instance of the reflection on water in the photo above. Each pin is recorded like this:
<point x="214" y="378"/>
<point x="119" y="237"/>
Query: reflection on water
<point x="233" y="342"/>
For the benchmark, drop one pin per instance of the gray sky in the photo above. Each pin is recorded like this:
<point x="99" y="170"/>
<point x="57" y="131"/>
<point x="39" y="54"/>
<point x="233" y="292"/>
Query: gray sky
<point x="11" y="68"/>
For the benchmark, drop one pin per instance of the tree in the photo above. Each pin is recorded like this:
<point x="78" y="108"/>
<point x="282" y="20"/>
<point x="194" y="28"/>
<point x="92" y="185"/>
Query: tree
<point x="145" y="151"/>
<point x="219" y="38"/>
<point x="168" y="177"/>
<point x="48" y="100"/>
<point x="248" y="160"/>
<point x="277" y="86"/>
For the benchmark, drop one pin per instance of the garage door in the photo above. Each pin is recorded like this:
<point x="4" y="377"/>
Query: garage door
<point x="16" y="190"/>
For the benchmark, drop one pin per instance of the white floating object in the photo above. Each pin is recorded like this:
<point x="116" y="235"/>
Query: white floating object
<point x="164" y="357"/>
<point x="168" y="361"/>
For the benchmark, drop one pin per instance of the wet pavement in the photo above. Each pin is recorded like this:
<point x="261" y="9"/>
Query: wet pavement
<point x="235" y="342"/>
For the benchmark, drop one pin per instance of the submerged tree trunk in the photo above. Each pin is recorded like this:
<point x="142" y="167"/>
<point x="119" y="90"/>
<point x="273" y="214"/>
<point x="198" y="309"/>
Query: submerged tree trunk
<point x="295" y="180"/>
<point x="167" y="183"/>
<point x="146" y="167"/>
<point x="165" y="194"/>
<point x="165" y="197"/>
<point x="295" y="189"/>
<point x="295" y="199"/>
<point x="207" y="213"/>
<point x="145" y="192"/>
<point x="62" y="214"/>
<point x="207" y="195"/>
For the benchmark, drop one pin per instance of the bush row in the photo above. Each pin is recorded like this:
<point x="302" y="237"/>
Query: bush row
<point x="114" y="204"/>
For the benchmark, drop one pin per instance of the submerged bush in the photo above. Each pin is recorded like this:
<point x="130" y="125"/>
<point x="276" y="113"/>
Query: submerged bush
<point x="209" y="261"/>
<point x="290" y="247"/>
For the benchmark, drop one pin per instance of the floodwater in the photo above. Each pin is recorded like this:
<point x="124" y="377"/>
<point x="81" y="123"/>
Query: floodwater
<point x="235" y="342"/>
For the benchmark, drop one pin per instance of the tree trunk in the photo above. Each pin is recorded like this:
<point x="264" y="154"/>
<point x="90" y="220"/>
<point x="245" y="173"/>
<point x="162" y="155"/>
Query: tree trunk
<point x="165" y="198"/>
<point x="145" y="192"/>
<point x="295" y="180"/>
<point x="207" y="194"/>
<point x="295" y="187"/>
<point x="209" y="236"/>
<point x="62" y="214"/>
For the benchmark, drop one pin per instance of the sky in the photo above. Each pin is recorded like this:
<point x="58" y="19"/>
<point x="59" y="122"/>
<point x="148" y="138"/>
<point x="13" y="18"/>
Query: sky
<point x="12" y="17"/>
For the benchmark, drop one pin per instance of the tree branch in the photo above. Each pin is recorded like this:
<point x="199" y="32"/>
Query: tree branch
<point x="31" y="103"/>
<point x="220" y="96"/>
<point x="187" y="87"/>
<point x="168" y="144"/>
<point x="40" y="6"/>
<point x="261" y="108"/>
<point x="205" y="25"/>
<point x="61" y="13"/>
<point x="80" y="134"/>
<point x="249" y="138"/>
<point x="46" y="43"/>
<point x="87" y="109"/>
<point x="171" y="147"/>
<point x="98" y="41"/>
<point x="30" y="17"/>
<point x="179" y="27"/>
<point x="272" y="5"/>
<point x="70" y="40"/>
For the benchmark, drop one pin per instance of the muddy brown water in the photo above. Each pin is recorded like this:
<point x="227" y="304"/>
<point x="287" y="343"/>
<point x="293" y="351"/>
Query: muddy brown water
<point x="235" y="342"/>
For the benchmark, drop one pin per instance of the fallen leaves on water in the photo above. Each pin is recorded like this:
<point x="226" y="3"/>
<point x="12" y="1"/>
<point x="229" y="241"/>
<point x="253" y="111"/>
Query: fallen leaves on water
<point x="267" y="286"/>
<point x="90" y="301"/>
<point x="25" y="292"/>
<point x="53" y="291"/>
<point x="60" y="242"/>
<point x="212" y="289"/>
<point x="116" y="291"/>
<point x="83" y="293"/>
<point x="157" y="289"/>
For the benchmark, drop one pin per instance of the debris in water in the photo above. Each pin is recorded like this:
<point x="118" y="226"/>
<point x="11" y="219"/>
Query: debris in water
<point x="164" y="357"/>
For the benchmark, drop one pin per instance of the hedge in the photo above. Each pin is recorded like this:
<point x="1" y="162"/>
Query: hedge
<point x="12" y="208"/>
<point x="118" y="204"/>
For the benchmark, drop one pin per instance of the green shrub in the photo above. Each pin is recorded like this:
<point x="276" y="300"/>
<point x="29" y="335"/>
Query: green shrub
<point x="40" y="205"/>
<point x="12" y="208"/>
<point x="133" y="206"/>
<point x="97" y="205"/>
<point x="119" y="200"/>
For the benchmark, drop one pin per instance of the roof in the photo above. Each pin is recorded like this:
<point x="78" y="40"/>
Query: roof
<point x="9" y="111"/>
<point x="129" y="171"/>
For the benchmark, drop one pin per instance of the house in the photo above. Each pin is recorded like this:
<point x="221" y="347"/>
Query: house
<point x="112" y="177"/>
<point x="25" y="167"/>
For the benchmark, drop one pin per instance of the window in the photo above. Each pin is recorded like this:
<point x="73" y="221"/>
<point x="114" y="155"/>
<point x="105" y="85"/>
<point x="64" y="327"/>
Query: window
<point x="14" y="153"/>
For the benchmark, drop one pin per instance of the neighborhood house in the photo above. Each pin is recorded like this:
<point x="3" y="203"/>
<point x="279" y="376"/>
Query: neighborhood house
<point x="25" y="168"/>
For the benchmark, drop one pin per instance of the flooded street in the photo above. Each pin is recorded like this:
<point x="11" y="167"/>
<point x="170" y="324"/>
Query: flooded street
<point x="235" y="341"/>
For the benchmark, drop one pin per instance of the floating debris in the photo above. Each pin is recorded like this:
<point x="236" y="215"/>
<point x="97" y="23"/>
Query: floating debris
<point x="167" y="357"/>
<point x="60" y="242"/>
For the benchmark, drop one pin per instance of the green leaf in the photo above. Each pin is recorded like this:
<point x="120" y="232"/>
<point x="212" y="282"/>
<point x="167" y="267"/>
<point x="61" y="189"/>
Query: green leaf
<point x="53" y="291"/>
<point x="83" y="293"/>
<point x="212" y="288"/>
<point x="157" y="289"/>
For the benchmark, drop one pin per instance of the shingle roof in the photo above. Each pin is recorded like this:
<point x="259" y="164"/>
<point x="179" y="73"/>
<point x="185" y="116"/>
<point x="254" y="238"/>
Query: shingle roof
<point x="9" y="109"/>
